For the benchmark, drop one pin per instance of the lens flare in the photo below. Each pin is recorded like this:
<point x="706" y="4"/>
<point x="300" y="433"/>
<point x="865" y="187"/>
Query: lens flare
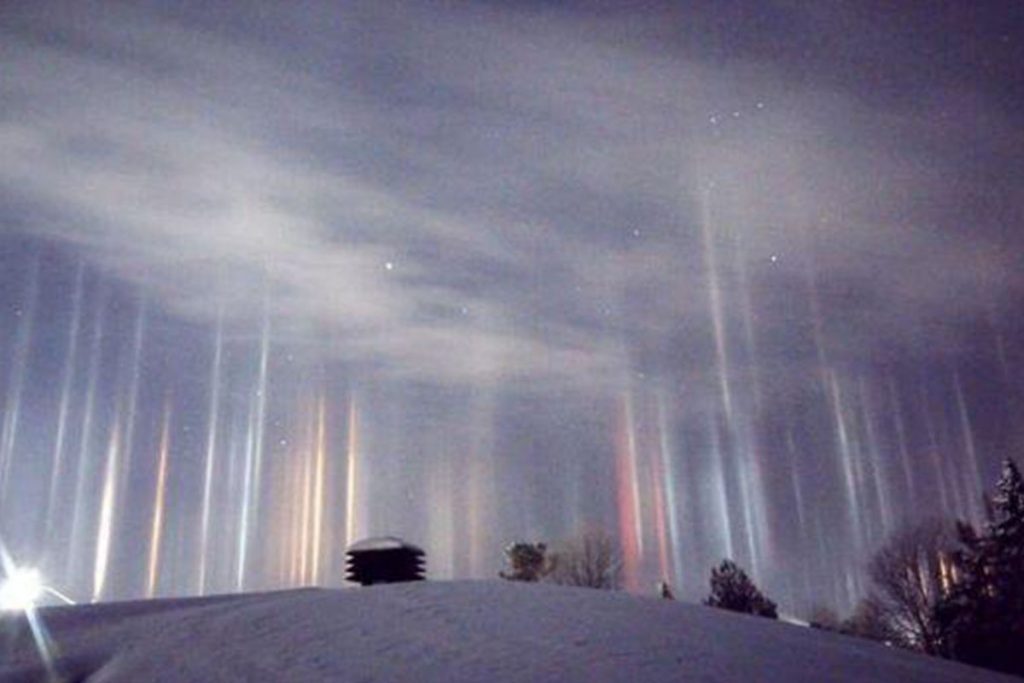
<point x="21" y="590"/>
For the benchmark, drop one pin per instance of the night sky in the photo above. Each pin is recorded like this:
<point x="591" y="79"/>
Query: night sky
<point x="720" y="278"/>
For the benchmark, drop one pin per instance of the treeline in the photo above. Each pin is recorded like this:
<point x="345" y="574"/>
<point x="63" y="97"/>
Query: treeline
<point x="942" y="587"/>
<point x="592" y="560"/>
<point x="949" y="589"/>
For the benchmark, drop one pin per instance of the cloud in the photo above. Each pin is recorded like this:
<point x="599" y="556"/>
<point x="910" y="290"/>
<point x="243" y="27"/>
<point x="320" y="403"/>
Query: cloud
<point x="473" y="195"/>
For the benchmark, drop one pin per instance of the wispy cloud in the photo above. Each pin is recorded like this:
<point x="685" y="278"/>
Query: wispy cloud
<point x="471" y="195"/>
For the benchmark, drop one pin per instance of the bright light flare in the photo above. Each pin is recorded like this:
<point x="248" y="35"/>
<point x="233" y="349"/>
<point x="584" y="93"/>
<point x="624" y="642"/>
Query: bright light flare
<point x="21" y="590"/>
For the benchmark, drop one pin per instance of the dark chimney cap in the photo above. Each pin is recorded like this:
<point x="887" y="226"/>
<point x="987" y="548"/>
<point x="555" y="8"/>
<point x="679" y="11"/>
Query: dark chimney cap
<point x="384" y="559"/>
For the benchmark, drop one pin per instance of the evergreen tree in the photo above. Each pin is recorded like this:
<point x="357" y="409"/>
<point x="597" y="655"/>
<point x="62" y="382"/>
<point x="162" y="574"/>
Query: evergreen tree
<point x="1007" y="527"/>
<point x="733" y="590"/>
<point x="983" y="616"/>
<point x="526" y="561"/>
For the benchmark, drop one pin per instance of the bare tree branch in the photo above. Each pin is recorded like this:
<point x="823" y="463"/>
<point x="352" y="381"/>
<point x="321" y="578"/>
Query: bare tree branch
<point x="908" y="577"/>
<point x="591" y="560"/>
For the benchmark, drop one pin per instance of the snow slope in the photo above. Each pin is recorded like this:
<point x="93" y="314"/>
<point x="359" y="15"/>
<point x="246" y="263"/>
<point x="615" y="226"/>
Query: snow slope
<point x="490" y="631"/>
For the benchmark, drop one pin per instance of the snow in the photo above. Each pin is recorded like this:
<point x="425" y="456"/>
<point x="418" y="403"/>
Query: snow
<point x="381" y="543"/>
<point x="491" y="631"/>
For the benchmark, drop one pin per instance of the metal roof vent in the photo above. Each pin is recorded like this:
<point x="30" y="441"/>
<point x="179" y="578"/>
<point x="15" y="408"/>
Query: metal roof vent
<point x="384" y="559"/>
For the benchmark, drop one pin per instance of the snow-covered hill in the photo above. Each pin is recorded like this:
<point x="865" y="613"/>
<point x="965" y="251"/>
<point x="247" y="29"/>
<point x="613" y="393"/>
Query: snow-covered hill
<point x="492" y="632"/>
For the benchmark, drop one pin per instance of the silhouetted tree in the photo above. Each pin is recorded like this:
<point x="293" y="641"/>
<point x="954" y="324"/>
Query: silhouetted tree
<point x="869" y="621"/>
<point x="983" y="616"/>
<point x="824" y="618"/>
<point x="526" y="561"/>
<point x="911" y="573"/>
<point x="733" y="590"/>
<point x="590" y="560"/>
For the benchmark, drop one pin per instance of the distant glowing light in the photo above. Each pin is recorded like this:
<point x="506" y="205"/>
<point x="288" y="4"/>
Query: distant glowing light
<point x="319" y="478"/>
<point x="156" y="531"/>
<point x="213" y="423"/>
<point x="631" y="531"/>
<point x="352" y="453"/>
<point x="774" y="258"/>
<point x="716" y="305"/>
<point x="21" y="590"/>
<point x="108" y="506"/>
<point x="388" y="265"/>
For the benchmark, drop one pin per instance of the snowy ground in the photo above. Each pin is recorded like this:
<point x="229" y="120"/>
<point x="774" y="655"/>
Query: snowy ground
<point x="493" y="632"/>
